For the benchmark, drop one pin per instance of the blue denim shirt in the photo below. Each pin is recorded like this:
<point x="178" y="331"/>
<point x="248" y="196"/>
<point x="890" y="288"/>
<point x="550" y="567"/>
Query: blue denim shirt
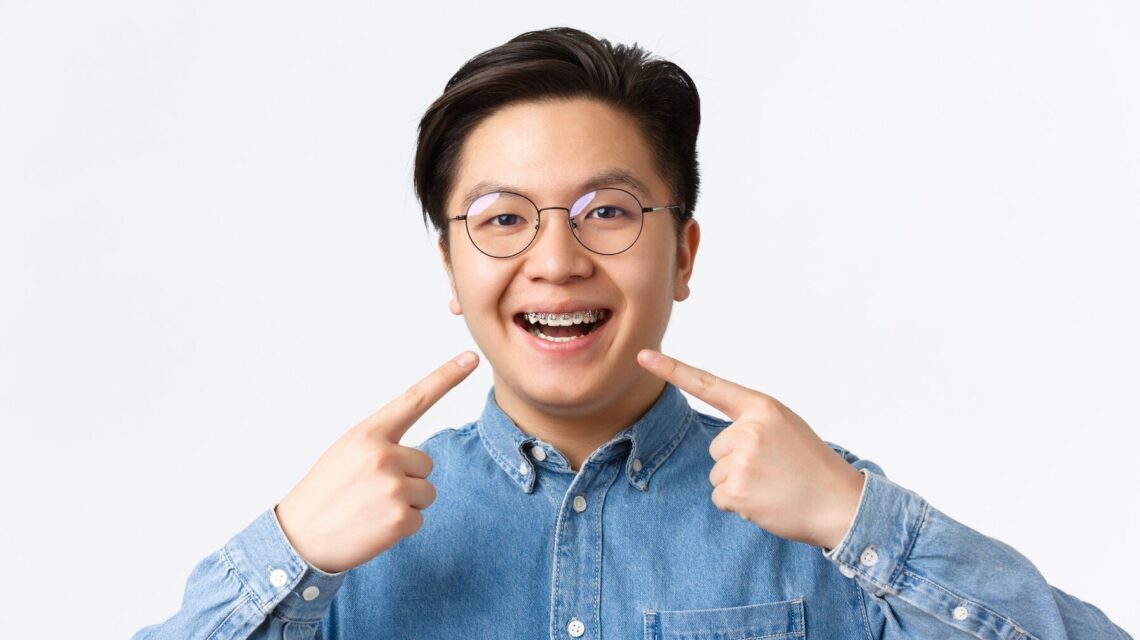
<point x="517" y="545"/>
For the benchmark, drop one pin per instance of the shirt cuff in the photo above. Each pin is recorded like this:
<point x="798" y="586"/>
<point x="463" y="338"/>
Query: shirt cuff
<point x="882" y="534"/>
<point x="276" y="577"/>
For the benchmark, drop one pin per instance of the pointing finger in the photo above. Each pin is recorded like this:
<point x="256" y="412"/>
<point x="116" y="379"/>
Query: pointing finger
<point x="726" y="396"/>
<point x="395" y="418"/>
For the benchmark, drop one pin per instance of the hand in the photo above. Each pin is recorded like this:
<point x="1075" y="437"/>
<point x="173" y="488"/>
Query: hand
<point x="366" y="492"/>
<point x="771" y="468"/>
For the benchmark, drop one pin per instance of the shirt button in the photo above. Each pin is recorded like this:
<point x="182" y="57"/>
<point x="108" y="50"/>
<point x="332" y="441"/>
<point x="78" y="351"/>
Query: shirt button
<point x="869" y="556"/>
<point x="538" y="453"/>
<point x="960" y="613"/>
<point x="846" y="571"/>
<point x="310" y="593"/>
<point x="636" y="465"/>
<point x="524" y="468"/>
<point x="278" y="578"/>
<point x="579" y="504"/>
<point x="575" y="628"/>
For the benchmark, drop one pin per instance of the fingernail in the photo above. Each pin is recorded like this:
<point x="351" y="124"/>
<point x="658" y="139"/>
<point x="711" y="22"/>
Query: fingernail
<point x="465" y="360"/>
<point x="648" y="356"/>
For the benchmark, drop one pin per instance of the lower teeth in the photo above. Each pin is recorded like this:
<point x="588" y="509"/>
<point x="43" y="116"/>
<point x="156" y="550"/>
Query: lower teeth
<point x="535" y="331"/>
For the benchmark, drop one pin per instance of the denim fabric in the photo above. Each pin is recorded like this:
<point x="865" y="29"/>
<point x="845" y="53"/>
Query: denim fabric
<point x="631" y="546"/>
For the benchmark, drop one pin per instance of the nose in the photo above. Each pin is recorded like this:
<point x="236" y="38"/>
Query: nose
<point x="556" y="255"/>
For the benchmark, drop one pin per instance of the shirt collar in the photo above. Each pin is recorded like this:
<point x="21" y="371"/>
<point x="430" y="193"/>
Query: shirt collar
<point x="649" y="441"/>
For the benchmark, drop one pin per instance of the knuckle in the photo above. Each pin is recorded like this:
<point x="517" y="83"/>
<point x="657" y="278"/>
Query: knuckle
<point x="424" y="460"/>
<point x="734" y="489"/>
<point x="417" y="520"/>
<point x="719" y="500"/>
<point x="705" y="380"/>
<point x="415" y="399"/>
<point x="408" y="520"/>
<point x="765" y="434"/>
<point x="383" y="458"/>
<point x="767" y="406"/>
<point x="401" y="516"/>
<point x="393" y="490"/>
<point x="756" y="431"/>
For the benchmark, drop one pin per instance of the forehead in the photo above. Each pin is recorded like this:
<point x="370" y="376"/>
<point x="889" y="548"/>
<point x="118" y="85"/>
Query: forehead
<point x="552" y="149"/>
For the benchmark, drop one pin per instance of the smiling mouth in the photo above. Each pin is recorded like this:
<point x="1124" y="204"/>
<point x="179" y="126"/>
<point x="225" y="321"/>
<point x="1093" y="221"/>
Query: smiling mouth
<point x="562" y="327"/>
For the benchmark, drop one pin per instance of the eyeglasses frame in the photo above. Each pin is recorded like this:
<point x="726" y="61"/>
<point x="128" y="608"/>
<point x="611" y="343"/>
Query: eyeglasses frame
<point x="569" y="222"/>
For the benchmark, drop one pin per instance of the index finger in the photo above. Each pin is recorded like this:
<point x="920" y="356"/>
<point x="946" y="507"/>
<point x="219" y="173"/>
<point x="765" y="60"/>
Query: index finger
<point x="394" y="419"/>
<point x="726" y="396"/>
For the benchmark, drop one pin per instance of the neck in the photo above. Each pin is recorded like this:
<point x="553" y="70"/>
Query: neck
<point x="578" y="430"/>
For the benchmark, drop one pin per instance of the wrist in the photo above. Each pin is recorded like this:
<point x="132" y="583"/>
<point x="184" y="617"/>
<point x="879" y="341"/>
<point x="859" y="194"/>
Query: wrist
<point x="841" y="513"/>
<point x="292" y="538"/>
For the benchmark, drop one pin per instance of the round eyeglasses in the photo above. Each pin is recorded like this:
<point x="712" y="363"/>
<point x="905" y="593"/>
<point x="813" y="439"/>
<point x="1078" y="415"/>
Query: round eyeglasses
<point x="607" y="221"/>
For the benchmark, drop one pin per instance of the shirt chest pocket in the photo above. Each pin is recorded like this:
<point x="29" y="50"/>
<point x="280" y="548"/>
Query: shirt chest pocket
<point x="752" y="622"/>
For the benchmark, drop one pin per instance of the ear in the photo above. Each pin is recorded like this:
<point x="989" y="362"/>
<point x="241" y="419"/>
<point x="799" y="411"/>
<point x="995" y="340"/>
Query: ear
<point x="686" y="254"/>
<point x="453" y="304"/>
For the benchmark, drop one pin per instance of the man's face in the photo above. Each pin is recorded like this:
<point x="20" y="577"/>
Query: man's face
<point x="550" y="151"/>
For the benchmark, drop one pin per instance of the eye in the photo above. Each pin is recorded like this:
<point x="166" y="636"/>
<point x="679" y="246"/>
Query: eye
<point x="505" y="220"/>
<point x="606" y="213"/>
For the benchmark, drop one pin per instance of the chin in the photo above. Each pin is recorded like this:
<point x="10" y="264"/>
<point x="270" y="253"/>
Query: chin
<point x="559" y="391"/>
<point x="568" y="396"/>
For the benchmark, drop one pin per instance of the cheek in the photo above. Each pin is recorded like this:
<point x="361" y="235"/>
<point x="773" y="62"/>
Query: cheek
<point x="648" y="284"/>
<point x="479" y="283"/>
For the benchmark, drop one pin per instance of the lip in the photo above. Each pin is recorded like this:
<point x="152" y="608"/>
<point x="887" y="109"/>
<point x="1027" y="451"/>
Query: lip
<point x="564" y="348"/>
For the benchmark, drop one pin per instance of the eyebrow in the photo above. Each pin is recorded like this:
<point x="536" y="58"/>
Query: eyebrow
<point x="607" y="178"/>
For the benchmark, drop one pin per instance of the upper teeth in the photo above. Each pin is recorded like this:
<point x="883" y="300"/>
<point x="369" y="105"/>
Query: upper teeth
<point x="565" y="319"/>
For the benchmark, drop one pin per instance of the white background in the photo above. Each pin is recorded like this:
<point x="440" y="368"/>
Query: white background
<point x="921" y="232"/>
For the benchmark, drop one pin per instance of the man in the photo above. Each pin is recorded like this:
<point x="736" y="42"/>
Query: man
<point x="589" y="500"/>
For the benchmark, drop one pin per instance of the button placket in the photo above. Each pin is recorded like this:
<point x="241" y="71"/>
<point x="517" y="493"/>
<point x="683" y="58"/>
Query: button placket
<point x="578" y="550"/>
